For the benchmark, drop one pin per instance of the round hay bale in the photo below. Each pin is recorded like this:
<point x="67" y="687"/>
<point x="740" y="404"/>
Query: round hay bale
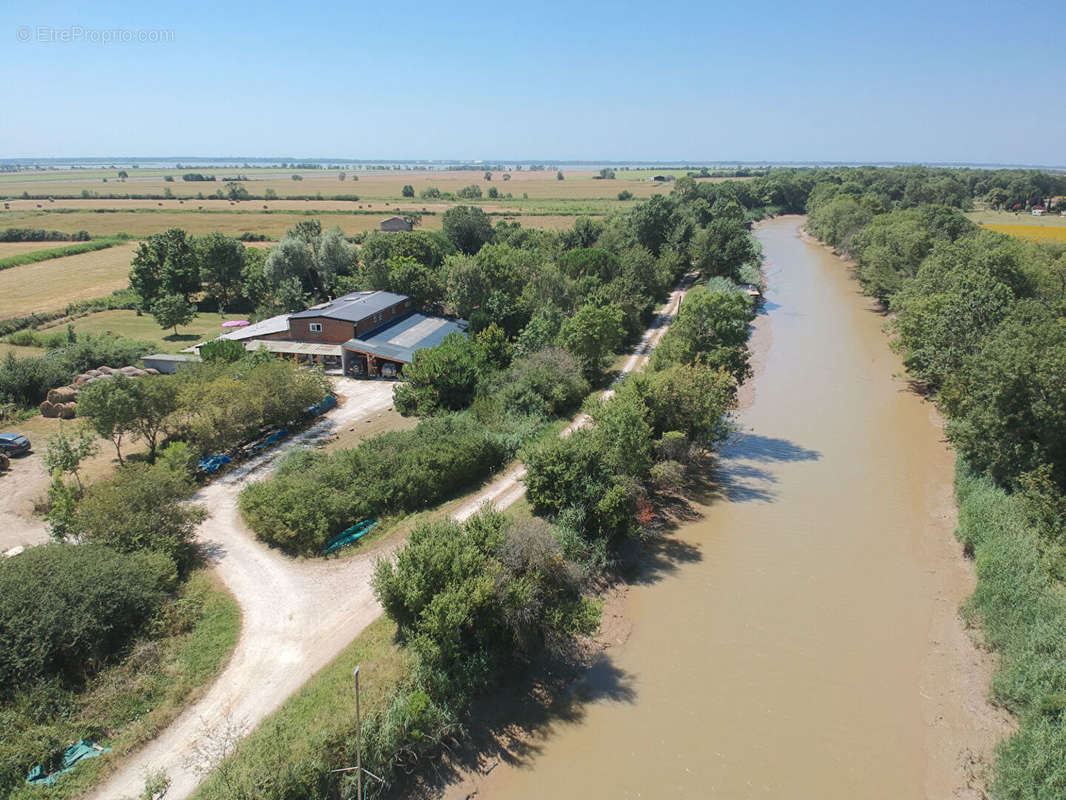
<point x="137" y="373"/>
<point x="93" y="373"/>
<point x="47" y="409"/>
<point x="80" y="380"/>
<point x="105" y="370"/>
<point x="62" y="394"/>
<point x="66" y="410"/>
<point x="151" y="371"/>
<point x="129" y="371"/>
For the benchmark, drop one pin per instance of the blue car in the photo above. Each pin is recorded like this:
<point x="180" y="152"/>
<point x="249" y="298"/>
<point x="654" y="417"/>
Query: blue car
<point x="14" y="444"/>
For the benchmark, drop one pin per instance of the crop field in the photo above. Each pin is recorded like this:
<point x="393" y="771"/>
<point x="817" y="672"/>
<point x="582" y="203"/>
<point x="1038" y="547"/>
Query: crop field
<point x="991" y="218"/>
<point x="144" y="327"/>
<point x="50" y="285"/>
<point x="1033" y="233"/>
<point x="372" y="185"/>
<point x="233" y="222"/>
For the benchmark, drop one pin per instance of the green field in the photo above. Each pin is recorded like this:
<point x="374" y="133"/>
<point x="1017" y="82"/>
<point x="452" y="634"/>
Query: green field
<point x="144" y="327"/>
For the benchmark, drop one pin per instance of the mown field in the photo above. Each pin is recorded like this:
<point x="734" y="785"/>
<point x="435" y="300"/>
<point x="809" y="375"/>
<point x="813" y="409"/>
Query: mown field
<point x="373" y="185"/>
<point x="144" y="327"/>
<point x="18" y="248"/>
<point x="50" y="285"/>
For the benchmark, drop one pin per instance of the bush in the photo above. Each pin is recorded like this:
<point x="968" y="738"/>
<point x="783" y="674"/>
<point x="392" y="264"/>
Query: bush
<point x="314" y="496"/>
<point x="64" y="609"/>
<point x="141" y="508"/>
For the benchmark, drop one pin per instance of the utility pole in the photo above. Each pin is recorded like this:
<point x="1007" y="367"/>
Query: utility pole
<point x="358" y="739"/>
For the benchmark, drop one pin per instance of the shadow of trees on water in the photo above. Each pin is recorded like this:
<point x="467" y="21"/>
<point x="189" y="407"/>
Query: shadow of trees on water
<point x="511" y="724"/>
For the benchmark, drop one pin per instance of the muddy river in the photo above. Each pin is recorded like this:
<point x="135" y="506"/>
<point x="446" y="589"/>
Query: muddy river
<point x="800" y="638"/>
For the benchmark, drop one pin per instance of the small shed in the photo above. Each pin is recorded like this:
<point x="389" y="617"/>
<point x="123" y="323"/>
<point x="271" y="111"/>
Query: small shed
<point x="396" y="224"/>
<point x="169" y="363"/>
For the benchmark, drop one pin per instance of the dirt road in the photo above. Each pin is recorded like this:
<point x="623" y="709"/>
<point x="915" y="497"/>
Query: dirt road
<point x="297" y="615"/>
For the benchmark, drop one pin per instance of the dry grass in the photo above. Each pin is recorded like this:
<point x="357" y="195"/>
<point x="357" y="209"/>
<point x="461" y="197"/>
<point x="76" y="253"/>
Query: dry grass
<point x="373" y="185"/>
<point x="1033" y="233"/>
<point x="993" y="218"/>
<point x="21" y="352"/>
<point x="50" y="285"/>
<point x="18" y="248"/>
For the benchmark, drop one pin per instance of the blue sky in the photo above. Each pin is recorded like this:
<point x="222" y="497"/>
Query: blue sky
<point x="666" y="80"/>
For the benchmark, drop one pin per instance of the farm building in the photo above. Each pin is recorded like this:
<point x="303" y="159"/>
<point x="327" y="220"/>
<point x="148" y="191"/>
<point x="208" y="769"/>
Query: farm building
<point x="384" y="351"/>
<point x="396" y="224"/>
<point x="168" y="363"/>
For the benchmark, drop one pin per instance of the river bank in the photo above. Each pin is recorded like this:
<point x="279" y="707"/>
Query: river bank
<point x="806" y="641"/>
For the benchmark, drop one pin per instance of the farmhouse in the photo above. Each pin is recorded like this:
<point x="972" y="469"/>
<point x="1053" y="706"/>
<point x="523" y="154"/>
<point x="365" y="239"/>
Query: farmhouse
<point x="396" y="224"/>
<point x="371" y="333"/>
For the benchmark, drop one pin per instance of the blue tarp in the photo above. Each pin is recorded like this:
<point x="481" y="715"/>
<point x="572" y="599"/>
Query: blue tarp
<point x="349" y="536"/>
<point x="212" y="463"/>
<point x="328" y="403"/>
<point x="72" y="756"/>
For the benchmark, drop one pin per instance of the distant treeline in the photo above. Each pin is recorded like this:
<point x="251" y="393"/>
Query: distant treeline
<point x="39" y="235"/>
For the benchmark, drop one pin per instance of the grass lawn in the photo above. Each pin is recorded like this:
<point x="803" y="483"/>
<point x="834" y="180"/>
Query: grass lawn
<point x="51" y="285"/>
<point x="315" y="722"/>
<point x="21" y="352"/>
<point x="127" y="323"/>
<point x="129" y="703"/>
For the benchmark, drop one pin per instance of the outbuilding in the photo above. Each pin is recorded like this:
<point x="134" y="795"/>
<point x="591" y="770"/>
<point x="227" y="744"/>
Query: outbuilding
<point x="393" y="224"/>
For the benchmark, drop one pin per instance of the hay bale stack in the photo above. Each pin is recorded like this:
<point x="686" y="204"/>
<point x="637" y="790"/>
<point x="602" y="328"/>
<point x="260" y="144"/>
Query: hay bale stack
<point x="63" y="394"/>
<point x="105" y="370"/>
<point x="48" y="410"/>
<point x="151" y="371"/>
<point x="129" y="372"/>
<point x="92" y="373"/>
<point x="66" y="410"/>
<point x="80" y="380"/>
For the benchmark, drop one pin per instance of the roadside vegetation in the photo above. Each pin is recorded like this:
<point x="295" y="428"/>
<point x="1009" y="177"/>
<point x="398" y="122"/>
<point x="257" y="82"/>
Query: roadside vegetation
<point x="475" y="604"/>
<point x="979" y="319"/>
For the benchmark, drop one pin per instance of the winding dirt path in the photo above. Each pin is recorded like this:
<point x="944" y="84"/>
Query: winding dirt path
<point x="297" y="615"/>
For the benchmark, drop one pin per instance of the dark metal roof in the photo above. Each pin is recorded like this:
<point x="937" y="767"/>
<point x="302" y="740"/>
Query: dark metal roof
<point x="353" y="307"/>
<point x="399" y="340"/>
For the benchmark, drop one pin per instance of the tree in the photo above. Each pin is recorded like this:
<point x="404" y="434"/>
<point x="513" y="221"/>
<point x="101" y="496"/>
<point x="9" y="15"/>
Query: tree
<point x="408" y="190"/>
<point x="66" y="451"/>
<point x="467" y="227"/>
<point x="494" y="193"/>
<point x="722" y="248"/>
<point x="466" y="287"/>
<point x="109" y="407"/>
<point x="439" y="378"/>
<point x="123" y="174"/>
<point x="222" y="260"/>
<point x="181" y="268"/>
<point x="225" y="350"/>
<point x="173" y="310"/>
<point x="625" y="194"/>
<point x="471" y="192"/>
<point x="234" y="191"/>
<point x="488" y="176"/>
<point x="156" y="400"/>
<point x="334" y="256"/>
<point x="141" y="508"/>
<point x="410" y="277"/>
<point x="711" y="328"/>
<point x="592" y="335"/>
<point x="559" y="175"/>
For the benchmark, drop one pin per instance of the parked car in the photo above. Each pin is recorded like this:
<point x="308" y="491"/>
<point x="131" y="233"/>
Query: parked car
<point x="14" y="444"/>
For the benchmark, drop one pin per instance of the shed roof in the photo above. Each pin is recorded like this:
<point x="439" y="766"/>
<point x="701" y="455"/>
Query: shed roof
<point x="277" y="324"/>
<point x="294" y="348"/>
<point x="183" y="357"/>
<point x="353" y="307"/>
<point x="399" y="340"/>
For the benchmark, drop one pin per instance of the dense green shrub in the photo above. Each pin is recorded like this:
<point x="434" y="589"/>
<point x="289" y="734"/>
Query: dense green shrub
<point x="314" y="496"/>
<point x="64" y="609"/>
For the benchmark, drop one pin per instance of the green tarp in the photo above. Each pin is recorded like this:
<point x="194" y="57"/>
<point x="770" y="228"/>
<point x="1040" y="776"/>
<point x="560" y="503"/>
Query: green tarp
<point x="72" y="756"/>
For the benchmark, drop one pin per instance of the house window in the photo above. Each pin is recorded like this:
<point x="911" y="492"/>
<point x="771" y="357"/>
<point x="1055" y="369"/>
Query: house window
<point x="316" y="327"/>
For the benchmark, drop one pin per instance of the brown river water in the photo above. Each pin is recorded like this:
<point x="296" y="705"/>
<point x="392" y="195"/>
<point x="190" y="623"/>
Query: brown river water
<point x="800" y="639"/>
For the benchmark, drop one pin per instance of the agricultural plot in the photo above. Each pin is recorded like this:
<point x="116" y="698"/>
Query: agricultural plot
<point x="50" y="285"/>
<point x="18" y="248"/>
<point x="372" y="185"/>
<point x="1033" y="233"/>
